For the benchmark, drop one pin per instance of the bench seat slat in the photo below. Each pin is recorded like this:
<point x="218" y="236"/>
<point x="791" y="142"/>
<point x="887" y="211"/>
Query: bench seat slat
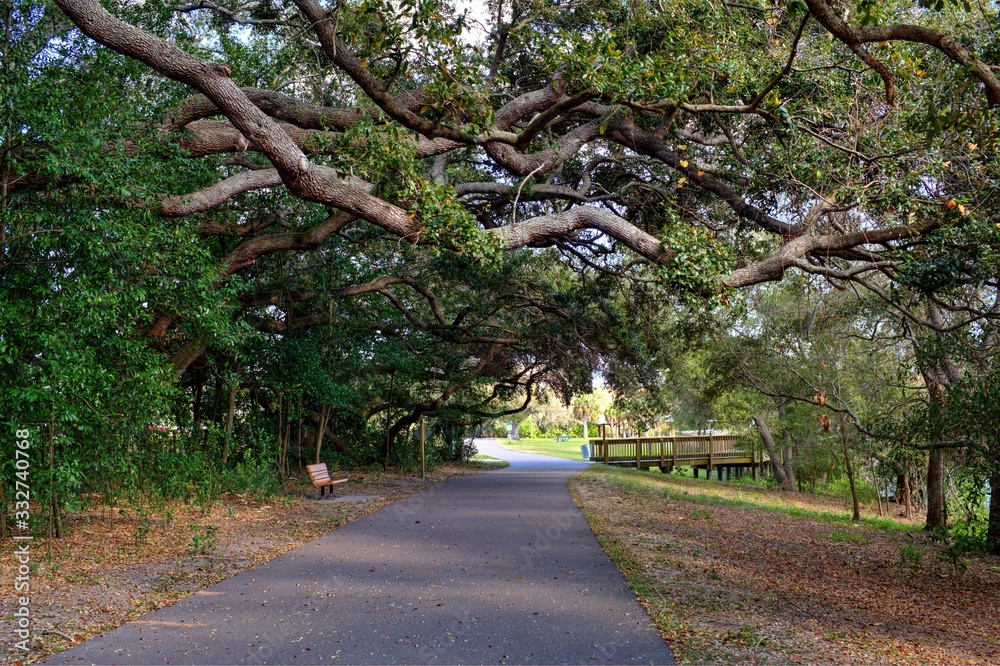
<point x="319" y="475"/>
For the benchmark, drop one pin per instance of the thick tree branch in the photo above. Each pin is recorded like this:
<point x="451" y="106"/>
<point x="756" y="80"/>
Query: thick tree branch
<point x="284" y="108"/>
<point x="247" y="253"/>
<point x="792" y="252"/>
<point x="342" y="56"/>
<point x="228" y="13"/>
<point x="547" y="227"/>
<point x="210" y="197"/>
<point x="624" y="132"/>
<point x="854" y="38"/>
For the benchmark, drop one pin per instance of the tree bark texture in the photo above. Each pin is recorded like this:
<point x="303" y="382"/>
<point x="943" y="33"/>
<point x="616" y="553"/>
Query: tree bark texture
<point x="324" y="414"/>
<point x="850" y="469"/>
<point x="230" y="415"/>
<point x="779" y="471"/>
<point x="935" y="489"/>
<point x="993" y="529"/>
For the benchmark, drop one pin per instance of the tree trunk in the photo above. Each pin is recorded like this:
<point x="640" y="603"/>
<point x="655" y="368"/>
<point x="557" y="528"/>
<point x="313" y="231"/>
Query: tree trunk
<point x="903" y="495"/>
<point x="586" y="432"/>
<point x="298" y="439"/>
<point x="779" y="471"/>
<point x="878" y="489"/>
<point x="3" y="511"/>
<point x="993" y="530"/>
<point x="937" y="379"/>
<point x="908" y="494"/>
<point x="281" y="447"/>
<point x="786" y="459"/>
<point x="215" y="403"/>
<point x="515" y="433"/>
<point x="935" y="489"/>
<point x="902" y="489"/>
<point x="55" y="524"/>
<point x="199" y="380"/>
<point x="850" y="469"/>
<point x="388" y="421"/>
<point x="324" y="413"/>
<point x="786" y="454"/>
<point x="230" y="414"/>
<point x="284" y="446"/>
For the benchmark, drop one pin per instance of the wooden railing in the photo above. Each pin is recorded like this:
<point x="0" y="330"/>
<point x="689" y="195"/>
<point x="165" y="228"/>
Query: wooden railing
<point x="697" y="450"/>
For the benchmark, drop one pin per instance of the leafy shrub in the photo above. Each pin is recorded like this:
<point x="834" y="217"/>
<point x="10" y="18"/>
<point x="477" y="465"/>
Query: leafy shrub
<point x="204" y="539"/>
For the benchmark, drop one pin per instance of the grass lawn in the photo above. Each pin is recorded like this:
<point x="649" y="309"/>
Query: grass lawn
<point x="547" y="447"/>
<point x="736" y="574"/>
<point x="484" y="461"/>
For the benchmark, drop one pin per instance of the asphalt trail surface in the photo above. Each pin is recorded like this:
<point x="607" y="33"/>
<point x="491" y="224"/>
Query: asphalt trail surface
<point x="494" y="568"/>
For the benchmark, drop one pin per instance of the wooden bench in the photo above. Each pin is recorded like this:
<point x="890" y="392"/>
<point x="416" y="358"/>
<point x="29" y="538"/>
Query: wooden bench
<point x="320" y="477"/>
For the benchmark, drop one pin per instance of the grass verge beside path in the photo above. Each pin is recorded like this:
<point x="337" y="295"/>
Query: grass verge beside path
<point x="489" y="462"/>
<point x="547" y="447"/>
<point x="739" y="575"/>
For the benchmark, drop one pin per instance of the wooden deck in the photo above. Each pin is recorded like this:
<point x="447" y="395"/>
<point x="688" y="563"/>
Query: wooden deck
<point x="718" y="452"/>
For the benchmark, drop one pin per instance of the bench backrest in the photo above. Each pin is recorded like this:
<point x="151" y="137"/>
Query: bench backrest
<point x="318" y="473"/>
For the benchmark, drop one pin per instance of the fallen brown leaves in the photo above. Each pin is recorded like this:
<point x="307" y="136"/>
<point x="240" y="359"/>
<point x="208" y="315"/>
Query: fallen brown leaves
<point x="118" y="563"/>
<point x="745" y="582"/>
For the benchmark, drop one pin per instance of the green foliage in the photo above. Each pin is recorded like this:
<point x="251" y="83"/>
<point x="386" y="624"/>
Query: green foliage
<point x="699" y="263"/>
<point x="204" y="539"/>
<point x="748" y="634"/>
<point x="966" y="249"/>
<point x="959" y="542"/>
<point x="448" y="224"/>
<point x="87" y="265"/>
<point x="910" y="557"/>
<point x="852" y="537"/>
<point x="386" y="156"/>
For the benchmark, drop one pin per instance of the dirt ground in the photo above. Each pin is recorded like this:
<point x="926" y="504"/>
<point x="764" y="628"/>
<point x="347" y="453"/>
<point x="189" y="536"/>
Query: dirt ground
<point x="114" y="565"/>
<point x="749" y="576"/>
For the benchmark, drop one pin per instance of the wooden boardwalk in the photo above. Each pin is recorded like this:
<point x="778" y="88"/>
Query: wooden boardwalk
<point x="719" y="452"/>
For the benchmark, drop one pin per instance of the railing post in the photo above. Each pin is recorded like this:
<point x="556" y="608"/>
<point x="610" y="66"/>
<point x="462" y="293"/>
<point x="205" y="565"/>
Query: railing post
<point x="711" y="452"/>
<point x="673" y="447"/>
<point x="662" y="460"/>
<point x="607" y="457"/>
<point x="638" y="453"/>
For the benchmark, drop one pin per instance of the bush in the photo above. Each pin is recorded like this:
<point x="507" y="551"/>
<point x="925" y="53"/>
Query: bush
<point x="455" y="442"/>
<point x="254" y="474"/>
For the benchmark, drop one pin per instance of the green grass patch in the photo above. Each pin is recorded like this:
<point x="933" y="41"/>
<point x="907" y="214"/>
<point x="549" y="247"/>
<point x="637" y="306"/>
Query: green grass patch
<point x="569" y="450"/>
<point x="711" y="492"/>
<point x="488" y="462"/>
<point x="852" y="537"/>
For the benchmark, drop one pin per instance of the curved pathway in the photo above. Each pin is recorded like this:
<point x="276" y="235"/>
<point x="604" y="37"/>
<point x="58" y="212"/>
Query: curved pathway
<point x="493" y="568"/>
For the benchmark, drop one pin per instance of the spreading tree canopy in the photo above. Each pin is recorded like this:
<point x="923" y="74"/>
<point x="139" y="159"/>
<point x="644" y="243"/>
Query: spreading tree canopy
<point x="720" y="143"/>
<point x="396" y="207"/>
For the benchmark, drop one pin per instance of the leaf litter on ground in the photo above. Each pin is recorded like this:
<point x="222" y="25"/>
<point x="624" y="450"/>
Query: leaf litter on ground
<point x="734" y="574"/>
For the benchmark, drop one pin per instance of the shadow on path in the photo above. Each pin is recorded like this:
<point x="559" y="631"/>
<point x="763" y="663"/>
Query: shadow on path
<point x="493" y="568"/>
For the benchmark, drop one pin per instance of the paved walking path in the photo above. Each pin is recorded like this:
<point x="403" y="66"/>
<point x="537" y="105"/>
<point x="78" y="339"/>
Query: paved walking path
<point x="494" y="568"/>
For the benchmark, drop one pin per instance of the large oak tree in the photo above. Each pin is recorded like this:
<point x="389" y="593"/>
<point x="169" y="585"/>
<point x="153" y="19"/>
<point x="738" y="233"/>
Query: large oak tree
<point x="680" y="149"/>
